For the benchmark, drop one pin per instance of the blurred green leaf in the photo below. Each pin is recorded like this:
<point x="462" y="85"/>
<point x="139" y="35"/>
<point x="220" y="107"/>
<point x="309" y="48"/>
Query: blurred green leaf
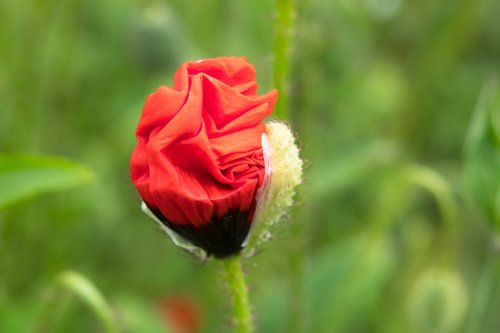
<point x="346" y="283"/>
<point x="343" y="283"/>
<point x="333" y="177"/>
<point x="89" y="294"/>
<point x="438" y="301"/>
<point x="482" y="153"/>
<point x="137" y="316"/>
<point x="24" y="176"/>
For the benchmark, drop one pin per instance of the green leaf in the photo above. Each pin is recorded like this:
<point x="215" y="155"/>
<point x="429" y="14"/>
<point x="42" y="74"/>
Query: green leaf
<point x="482" y="153"/>
<point x="25" y="176"/>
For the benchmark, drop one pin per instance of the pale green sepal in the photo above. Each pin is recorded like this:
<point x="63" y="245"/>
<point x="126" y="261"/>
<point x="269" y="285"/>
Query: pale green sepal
<point x="283" y="173"/>
<point x="176" y="238"/>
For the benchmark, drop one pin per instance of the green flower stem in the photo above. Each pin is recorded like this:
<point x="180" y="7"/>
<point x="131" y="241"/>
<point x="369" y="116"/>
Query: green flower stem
<point x="237" y="285"/>
<point x="283" y="28"/>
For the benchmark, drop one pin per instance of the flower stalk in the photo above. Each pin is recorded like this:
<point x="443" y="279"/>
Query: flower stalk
<point x="239" y="291"/>
<point x="282" y="37"/>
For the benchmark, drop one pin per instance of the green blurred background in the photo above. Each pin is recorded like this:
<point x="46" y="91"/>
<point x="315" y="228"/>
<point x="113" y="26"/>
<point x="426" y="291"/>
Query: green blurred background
<point x="397" y="109"/>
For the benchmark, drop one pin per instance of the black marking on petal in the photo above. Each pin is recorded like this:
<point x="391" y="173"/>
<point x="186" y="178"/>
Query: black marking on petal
<point x="221" y="237"/>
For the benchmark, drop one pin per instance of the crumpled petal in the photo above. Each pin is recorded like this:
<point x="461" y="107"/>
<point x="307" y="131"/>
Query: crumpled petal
<point x="199" y="151"/>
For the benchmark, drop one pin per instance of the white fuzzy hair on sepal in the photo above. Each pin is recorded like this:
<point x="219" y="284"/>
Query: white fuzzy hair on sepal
<point x="283" y="173"/>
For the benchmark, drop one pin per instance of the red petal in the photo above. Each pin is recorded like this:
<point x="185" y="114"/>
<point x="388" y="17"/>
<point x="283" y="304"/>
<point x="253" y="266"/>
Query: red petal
<point x="199" y="153"/>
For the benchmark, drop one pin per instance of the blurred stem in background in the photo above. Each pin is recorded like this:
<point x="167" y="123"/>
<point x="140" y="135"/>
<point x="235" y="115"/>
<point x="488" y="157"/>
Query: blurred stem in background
<point x="284" y="25"/>
<point x="283" y="30"/>
<point x="239" y="292"/>
<point x="87" y="292"/>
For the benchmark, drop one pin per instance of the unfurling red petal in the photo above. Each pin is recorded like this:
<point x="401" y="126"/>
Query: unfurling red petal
<point x="199" y="152"/>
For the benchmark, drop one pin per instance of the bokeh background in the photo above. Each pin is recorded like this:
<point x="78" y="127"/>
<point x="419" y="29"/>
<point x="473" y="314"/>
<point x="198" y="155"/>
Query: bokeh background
<point x="397" y="109"/>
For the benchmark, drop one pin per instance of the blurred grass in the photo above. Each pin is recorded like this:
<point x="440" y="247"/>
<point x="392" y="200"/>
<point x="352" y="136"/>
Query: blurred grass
<point x="375" y="86"/>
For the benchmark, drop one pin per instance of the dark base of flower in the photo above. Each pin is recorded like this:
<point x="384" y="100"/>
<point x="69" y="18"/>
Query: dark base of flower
<point x="221" y="237"/>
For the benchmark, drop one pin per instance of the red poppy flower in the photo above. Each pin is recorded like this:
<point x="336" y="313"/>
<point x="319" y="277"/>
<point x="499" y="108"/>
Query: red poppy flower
<point x="198" y="162"/>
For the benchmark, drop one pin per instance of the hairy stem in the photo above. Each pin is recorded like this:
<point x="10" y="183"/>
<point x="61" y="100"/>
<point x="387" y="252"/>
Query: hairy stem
<point x="239" y="290"/>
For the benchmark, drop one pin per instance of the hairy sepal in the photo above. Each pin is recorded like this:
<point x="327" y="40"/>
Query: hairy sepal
<point x="283" y="173"/>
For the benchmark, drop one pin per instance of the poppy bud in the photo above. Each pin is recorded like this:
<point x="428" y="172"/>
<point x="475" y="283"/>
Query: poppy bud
<point x="202" y="160"/>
